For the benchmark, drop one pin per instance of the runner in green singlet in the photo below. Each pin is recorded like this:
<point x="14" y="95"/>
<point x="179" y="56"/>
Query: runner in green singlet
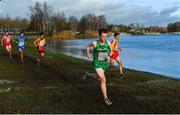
<point x="101" y="58"/>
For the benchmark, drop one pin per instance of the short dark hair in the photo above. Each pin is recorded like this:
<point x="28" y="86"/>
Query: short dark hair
<point x="21" y="33"/>
<point x="102" y="30"/>
<point x="116" y="34"/>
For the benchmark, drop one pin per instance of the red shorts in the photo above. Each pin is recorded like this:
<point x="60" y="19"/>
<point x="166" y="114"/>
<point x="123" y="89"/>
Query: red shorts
<point x="114" y="55"/>
<point x="41" y="48"/>
<point x="7" y="44"/>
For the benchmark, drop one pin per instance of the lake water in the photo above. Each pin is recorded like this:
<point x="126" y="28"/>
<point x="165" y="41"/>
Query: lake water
<point x="151" y="53"/>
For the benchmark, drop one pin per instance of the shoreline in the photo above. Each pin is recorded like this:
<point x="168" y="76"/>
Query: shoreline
<point x="68" y="35"/>
<point x="56" y="86"/>
<point x="84" y="58"/>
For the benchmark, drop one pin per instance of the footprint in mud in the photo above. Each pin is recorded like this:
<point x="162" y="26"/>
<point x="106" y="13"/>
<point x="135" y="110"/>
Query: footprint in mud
<point x="5" y="90"/>
<point x="2" y="82"/>
<point x="88" y="74"/>
<point x="49" y="56"/>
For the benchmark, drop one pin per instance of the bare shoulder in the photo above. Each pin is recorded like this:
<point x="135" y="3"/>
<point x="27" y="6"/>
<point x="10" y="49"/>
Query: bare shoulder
<point x="109" y="43"/>
<point x="93" y="44"/>
<point x="112" y="41"/>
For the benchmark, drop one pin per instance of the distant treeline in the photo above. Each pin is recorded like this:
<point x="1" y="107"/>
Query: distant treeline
<point x="174" y="27"/>
<point x="6" y="23"/>
<point x="137" y="27"/>
<point x="42" y="18"/>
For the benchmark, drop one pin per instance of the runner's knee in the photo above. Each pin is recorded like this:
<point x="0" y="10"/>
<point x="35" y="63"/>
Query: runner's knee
<point x="120" y="64"/>
<point x="42" y="54"/>
<point x="112" y="62"/>
<point x="103" y="79"/>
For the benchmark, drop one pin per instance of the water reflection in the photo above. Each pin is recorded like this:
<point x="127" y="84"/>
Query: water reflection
<point x="152" y="53"/>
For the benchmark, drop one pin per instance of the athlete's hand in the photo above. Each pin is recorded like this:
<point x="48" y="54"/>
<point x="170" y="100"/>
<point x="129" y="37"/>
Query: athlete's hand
<point x="35" y="45"/>
<point x="89" y="56"/>
<point x="115" y="50"/>
<point x="108" y="58"/>
<point x="120" y="49"/>
<point x="13" y="40"/>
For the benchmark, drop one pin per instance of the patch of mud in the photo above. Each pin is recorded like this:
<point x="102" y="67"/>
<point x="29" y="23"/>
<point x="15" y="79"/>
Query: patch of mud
<point x="164" y="83"/>
<point x="48" y="88"/>
<point x="88" y="74"/>
<point x="158" y="81"/>
<point x="49" y="56"/>
<point x="2" y="82"/>
<point x="5" y="90"/>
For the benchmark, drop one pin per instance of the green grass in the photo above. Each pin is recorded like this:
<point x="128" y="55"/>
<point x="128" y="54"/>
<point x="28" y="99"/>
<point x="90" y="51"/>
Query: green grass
<point x="56" y="86"/>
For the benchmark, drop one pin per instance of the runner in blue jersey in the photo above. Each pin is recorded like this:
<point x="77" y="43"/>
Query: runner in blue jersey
<point x="21" y="40"/>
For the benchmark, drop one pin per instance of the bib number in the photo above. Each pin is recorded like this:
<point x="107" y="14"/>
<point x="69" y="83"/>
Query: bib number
<point x="21" y="43"/>
<point x="102" y="56"/>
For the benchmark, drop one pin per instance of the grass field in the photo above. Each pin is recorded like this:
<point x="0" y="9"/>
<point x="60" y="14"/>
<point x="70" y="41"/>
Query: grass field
<point x="56" y="86"/>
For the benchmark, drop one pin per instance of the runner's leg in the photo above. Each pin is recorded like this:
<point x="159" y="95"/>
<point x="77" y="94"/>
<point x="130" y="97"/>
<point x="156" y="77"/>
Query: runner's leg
<point x="9" y="50"/>
<point x="118" y="60"/>
<point x="40" y="57"/>
<point x="112" y="64"/>
<point x="21" y="55"/>
<point x="101" y="74"/>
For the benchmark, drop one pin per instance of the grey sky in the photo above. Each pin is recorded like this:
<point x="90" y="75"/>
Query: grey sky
<point x="147" y="12"/>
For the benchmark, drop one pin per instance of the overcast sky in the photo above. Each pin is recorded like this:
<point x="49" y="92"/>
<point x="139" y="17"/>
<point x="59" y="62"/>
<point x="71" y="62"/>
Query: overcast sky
<point x="147" y="12"/>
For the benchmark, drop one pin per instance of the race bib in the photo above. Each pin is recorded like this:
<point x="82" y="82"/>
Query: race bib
<point x="102" y="56"/>
<point x="21" y="43"/>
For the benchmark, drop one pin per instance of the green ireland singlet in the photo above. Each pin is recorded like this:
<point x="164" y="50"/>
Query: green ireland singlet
<point x="100" y="54"/>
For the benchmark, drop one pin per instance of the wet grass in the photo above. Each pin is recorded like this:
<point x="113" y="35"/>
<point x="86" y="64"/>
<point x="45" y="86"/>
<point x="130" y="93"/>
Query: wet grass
<point x="56" y="86"/>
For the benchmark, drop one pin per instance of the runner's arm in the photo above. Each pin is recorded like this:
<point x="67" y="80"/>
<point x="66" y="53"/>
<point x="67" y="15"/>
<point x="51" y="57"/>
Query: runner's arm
<point x="13" y="39"/>
<point x="113" y="46"/>
<point x="120" y="49"/>
<point x="109" y="43"/>
<point x="88" y="49"/>
<point x="35" y="42"/>
<point x="2" y="41"/>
